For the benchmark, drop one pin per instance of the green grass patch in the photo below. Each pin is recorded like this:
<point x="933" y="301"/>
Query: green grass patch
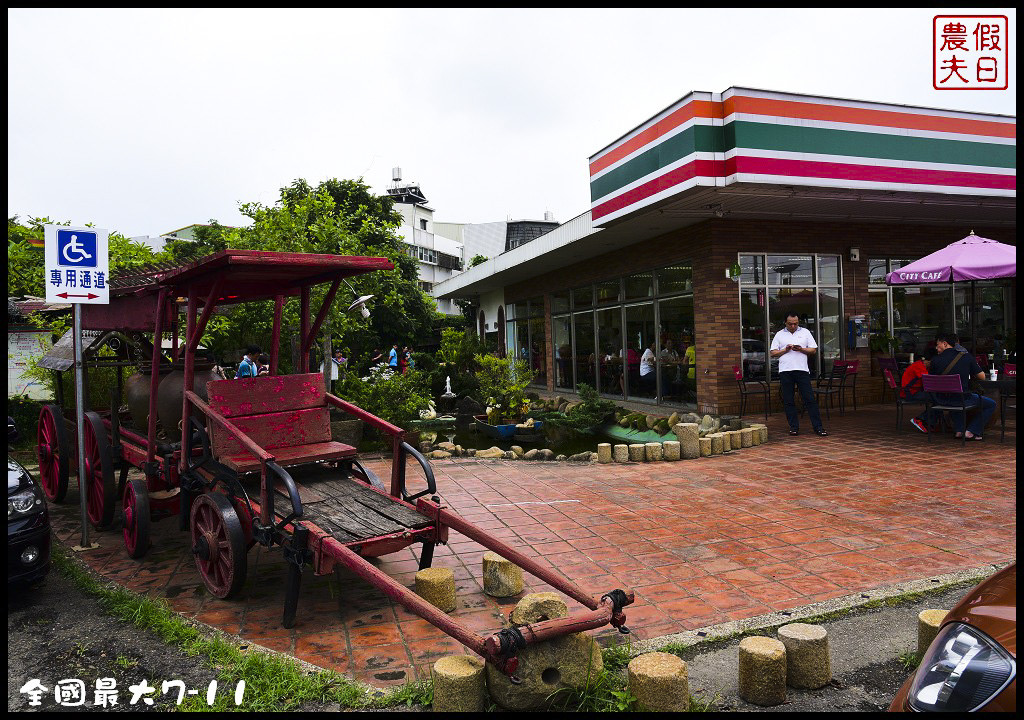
<point x="909" y="660"/>
<point x="272" y="682"/>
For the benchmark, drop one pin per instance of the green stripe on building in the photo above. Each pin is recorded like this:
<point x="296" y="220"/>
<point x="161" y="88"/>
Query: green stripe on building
<point x="697" y="138"/>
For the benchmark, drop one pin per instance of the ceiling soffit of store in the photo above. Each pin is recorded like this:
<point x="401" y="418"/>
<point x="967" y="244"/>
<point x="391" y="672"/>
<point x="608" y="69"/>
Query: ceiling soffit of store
<point x="748" y="201"/>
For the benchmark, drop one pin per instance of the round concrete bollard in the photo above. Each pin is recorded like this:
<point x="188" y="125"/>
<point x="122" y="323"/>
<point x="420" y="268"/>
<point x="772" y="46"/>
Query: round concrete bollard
<point x="637" y="451"/>
<point x="928" y="622"/>
<point x="652" y="451"/>
<point x="717" y="443"/>
<point x="807" y="662"/>
<point x="621" y="453"/>
<point x="659" y="682"/>
<point x="762" y="672"/>
<point x="670" y="450"/>
<point x="688" y="435"/>
<point x="604" y="453"/>
<point x="436" y="585"/>
<point x="705" y="447"/>
<point x="459" y="684"/>
<point x="502" y="578"/>
<point x="735" y="439"/>
<point x="746" y="437"/>
<point x="764" y="434"/>
<point x="756" y="434"/>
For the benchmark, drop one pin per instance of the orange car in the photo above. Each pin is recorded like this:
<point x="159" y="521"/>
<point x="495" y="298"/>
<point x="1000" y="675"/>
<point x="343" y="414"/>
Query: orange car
<point x="972" y="663"/>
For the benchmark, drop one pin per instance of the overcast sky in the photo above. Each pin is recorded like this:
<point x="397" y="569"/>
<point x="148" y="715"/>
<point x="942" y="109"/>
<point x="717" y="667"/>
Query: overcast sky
<point x="144" y="121"/>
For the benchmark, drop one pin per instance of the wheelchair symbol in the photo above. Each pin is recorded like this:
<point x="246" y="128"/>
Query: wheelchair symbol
<point x="75" y="247"/>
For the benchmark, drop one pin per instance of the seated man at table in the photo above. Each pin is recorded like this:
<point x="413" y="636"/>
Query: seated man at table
<point x="951" y="362"/>
<point x="912" y="390"/>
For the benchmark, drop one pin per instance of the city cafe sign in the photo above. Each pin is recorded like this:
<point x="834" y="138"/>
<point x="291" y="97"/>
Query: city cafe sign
<point x="927" y="276"/>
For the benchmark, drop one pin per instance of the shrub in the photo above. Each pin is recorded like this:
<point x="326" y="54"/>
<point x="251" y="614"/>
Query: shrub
<point x="394" y="397"/>
<point x="592" y="410"/>
<point x="503" y="383"/>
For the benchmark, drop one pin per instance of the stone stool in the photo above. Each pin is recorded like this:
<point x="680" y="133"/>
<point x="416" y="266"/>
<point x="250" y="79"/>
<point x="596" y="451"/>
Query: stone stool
<point x="928" y="622"/>
<point x="604" y="453"/>
<point x="621" y="453"/>
<point x="652" y="451"/>
<point x="746" y="437"/>
<point x="807" y="661"/>
<point x="502" y="578"/>
<point x="459" y="684"/>
<point x="670" y="450"/>
<point x="762" y="672"/>
<point x="717" y="443"/>
<point x="637" y="452"/>
<point x="705" y="447"/>
<point x="659" y="682"/>
<point x="436" y="585"/>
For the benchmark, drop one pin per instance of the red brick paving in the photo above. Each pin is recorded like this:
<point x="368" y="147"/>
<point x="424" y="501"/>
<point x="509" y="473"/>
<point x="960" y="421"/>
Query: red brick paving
<point x="766" y="528"/>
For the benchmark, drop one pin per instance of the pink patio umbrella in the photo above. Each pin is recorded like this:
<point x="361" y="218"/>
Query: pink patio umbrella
<point x="973" y="258"/>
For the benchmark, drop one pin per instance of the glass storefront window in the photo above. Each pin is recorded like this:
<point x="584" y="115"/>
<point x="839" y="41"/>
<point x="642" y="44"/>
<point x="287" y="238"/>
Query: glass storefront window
<point x="641" y="379"/>
<point x="522" y="336"/>
<point x="608" y="292"/>
<point x="878" y="307"/>
<point x="675" y="279"/>
<point x="611" y="353"/>
<point x="559" y="303"/>
<point x="676" y="351"/>
<point x="752" y="269"/>
<point x="640" y="286"/>
<point x="562" y="339"/>
<point x="877" y="271"/>
<point x="584" y="359"/>
<point x="537" y="307"/>
<point x="919" y="313"/>
<point x="583" y="297"/>
<point x="538" y="351"/>
<point x="521" y="310"/>
<point x="828" y="270"/>
<point x="790" y="269"/>
<point x="990" y="304"/>
<point x="753" y="320"/>
<point x="830" y="335"/>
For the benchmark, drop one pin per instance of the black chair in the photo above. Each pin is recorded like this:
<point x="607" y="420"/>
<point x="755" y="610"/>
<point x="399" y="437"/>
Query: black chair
<point x="760" y="388"/>
<point x="949" y="386"/>
<point x="888" y="363"/>
<point x="891" y="383"/>
<point x="829" y="387"/>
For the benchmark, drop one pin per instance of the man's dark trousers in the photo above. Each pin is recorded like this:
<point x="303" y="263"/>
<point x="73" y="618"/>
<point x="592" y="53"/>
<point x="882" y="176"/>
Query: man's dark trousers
<point x="802" y="380"/>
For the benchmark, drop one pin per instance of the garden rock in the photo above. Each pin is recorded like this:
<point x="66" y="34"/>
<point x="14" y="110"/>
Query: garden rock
<point x="707" y="425"/>
<point x="491" y="452"/>
<point x="561" y="458"/>
<point x="471" y="452"/>
<point x="446" y="446"/>
<point x="425" y="447"/>
<point x="546" y="454"/>
<point x="439" y="455"/>
<point x="580" y="457"/>
<point x="509" y="455"/>
<point x="517" y="450"/>
<point x="689" y="418"/>
<point x="673" y="419"/>
<point x="531" y="454"/>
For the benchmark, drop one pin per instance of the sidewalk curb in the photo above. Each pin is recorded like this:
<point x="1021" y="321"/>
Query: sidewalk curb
<point x="700" y="636"/>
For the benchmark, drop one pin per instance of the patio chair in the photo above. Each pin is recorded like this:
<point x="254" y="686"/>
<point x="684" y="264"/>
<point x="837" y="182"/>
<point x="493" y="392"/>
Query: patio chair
<point x="829" y="387"/>
<point x="745" y="391"/>
<point x="949" y="386"/>
<point x="888" y="363"/>
<point x="1010" y="373"/>
<point x="890" y="381"/>
<point x="849" y="378"/>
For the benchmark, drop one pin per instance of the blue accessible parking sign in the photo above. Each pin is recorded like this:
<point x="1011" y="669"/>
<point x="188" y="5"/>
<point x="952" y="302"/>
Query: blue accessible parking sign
<point x="76" y="248"/>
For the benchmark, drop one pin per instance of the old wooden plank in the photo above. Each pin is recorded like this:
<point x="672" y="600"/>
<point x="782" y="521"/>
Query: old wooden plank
<point x="266" y="394"/>
<point x="274" y="430"/>
<point x="376" y="502"/>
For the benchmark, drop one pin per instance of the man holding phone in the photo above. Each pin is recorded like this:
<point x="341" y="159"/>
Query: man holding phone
<point x="793" y="345"/>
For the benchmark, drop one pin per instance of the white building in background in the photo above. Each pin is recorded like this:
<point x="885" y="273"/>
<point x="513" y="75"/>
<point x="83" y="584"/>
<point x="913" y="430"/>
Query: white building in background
<point x="439" y="257"/>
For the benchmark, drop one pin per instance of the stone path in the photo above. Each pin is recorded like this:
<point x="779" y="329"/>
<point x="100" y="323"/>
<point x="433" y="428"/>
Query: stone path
<point x="703" y="541"/>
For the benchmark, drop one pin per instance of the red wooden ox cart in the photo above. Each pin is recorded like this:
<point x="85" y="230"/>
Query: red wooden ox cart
<point x="256" y="462"/>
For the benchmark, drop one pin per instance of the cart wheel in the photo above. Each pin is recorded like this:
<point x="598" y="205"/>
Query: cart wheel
<point x="218" y="542"/>
<point x="136" y="518"/>
<point x="52" y="452"/>
<point x="99" y="473"/>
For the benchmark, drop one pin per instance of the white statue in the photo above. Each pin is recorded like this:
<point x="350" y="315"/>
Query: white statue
<point x="448" y="385"/>
<point x="429" y="413"/>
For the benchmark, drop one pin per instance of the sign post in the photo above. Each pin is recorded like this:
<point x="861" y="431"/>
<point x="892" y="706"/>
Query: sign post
<point x="77" y="270"/>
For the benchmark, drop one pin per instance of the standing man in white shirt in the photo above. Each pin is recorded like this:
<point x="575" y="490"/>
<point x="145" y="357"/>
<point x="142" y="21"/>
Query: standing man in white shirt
<point x="793" y="345"/>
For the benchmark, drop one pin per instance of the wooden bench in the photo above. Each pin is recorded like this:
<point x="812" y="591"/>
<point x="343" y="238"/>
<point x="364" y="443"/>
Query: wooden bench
<point x="286" y="415"/>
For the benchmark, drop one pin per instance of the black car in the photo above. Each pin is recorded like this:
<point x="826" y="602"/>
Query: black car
<point x="28" y="523"/>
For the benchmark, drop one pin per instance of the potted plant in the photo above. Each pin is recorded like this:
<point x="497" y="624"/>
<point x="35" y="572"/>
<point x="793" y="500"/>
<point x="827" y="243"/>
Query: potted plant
<point x="881" y="343"/>
<point x="503" y="383"/>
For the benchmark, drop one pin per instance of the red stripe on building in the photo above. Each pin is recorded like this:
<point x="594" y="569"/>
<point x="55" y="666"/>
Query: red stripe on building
<point x="868" y="173"/>
<point x="705" y="168"/>
<point x="695" y="108"/>
<point x="866" y="116"/>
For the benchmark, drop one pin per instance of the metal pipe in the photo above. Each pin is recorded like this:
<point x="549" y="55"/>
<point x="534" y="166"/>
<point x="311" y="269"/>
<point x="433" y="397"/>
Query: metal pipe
<point x="83" y="481"/>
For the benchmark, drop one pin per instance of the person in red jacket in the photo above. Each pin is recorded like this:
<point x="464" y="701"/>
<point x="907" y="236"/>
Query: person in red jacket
<point x="911" y="387"/>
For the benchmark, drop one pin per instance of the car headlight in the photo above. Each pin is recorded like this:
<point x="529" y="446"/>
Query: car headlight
<point x="24" y="503"/>
<point x="962" y="670"/>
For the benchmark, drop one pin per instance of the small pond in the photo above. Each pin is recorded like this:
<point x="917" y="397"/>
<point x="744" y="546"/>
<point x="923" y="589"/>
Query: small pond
<point x="558" y="440"/>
